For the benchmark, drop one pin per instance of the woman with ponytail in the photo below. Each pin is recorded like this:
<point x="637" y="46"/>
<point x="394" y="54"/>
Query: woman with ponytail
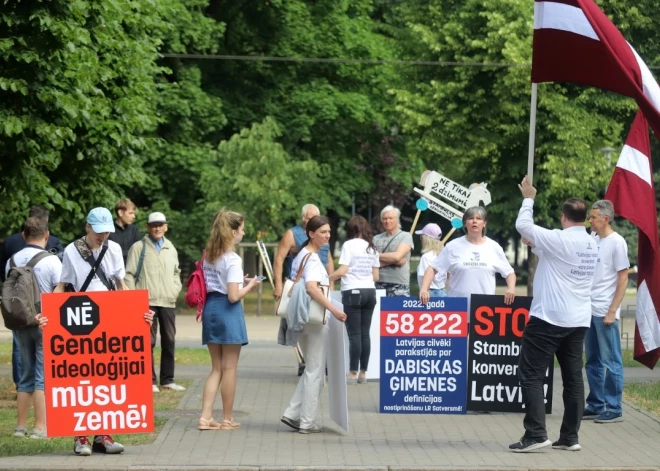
<point x="223" y="322"/>
<point x="358" y="270"/>
<point x="303" y="408"/>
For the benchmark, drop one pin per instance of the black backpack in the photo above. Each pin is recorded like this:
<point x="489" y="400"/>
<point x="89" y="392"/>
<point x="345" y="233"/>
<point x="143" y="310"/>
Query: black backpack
<point x="21" y="296"/>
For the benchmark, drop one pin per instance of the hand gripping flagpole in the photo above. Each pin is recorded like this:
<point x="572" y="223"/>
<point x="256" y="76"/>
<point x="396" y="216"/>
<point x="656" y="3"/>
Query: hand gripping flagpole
<point x="532" y="132"/>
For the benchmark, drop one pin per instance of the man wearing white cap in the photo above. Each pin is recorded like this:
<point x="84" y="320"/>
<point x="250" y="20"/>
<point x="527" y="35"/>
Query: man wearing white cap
<point x="153" y="264"/>
<point x="432" y="244"/>
<point x="77" y="262"/>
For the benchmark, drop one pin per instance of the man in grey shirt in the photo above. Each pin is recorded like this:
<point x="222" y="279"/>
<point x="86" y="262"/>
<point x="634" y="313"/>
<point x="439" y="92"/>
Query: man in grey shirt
<point x="394" y="248"/>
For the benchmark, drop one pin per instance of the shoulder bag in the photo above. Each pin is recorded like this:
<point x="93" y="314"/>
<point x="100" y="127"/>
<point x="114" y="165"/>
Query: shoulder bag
<point x="283" y="303"/>
<point x="86" y="253"/>
<point x="317" y="313"/>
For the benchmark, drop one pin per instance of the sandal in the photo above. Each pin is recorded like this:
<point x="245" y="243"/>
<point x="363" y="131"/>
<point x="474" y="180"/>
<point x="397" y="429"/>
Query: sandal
<point x="210" y="424"/>
<point x="229" y="425"/>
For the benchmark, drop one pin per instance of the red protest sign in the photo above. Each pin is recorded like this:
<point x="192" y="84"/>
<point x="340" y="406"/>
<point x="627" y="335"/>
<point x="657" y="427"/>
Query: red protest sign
<point x="97" y="363"/>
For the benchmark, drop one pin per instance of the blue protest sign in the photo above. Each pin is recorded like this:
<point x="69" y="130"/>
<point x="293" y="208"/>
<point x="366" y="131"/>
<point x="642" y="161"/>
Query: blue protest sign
<point x="423" y="356"/>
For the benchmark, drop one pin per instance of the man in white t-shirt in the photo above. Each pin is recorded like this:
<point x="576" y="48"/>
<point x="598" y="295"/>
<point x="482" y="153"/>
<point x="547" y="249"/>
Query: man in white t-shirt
<point x="604" y="366"/>
<point x="77" y="262"/>
<point x="559" y="318"/>
<point x="47" y="272"/>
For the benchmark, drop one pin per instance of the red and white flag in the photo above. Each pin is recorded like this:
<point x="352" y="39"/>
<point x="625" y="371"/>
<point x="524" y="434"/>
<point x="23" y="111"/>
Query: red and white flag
<point x="632" y="192"/>
<point x="575" y="42"/>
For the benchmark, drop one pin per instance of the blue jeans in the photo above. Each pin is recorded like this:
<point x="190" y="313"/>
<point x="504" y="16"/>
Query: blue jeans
<point x="604" y="366"/>
<point x="437" y="293"/>
<point x="15" y="359"/>
<point x="32" y="359"/>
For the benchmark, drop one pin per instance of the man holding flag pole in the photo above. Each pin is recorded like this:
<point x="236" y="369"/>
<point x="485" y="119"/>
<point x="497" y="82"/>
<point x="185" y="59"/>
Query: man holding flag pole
<point x="575" y="42"/>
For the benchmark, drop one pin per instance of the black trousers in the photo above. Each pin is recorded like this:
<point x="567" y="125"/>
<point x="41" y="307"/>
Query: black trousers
<point x="359" y="307"/>
<point x="165" y="317"/>
<point x="541" y="341"/>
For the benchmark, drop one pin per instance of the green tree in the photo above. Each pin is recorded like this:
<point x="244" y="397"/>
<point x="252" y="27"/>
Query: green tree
<point x="337" y="114"/>
<point x="256" y="176"/>
<point x="472" y="123"/>
<point x="77" y="96"/>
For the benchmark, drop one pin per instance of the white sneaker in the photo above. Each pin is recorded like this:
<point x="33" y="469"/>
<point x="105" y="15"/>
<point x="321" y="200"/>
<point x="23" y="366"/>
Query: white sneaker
<point x="154" y="388"/>
<point x="173" y="387"/>
<point x="105" y="444"/>
<point x="38" y="434"/>
<point x="81" y="446"/>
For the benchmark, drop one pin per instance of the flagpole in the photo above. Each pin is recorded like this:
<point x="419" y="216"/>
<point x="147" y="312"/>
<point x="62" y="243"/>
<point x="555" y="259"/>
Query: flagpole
<point x="532" y="132"/>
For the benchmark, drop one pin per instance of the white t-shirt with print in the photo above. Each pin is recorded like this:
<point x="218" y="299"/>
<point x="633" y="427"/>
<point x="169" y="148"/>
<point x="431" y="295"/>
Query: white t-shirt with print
<point x="47" y="271"/>
<point x="314" y="269"/>
<point x="75" y="269"/>
<point x="226" y="269"/>
<point x="472" y="267"/>
<point x="612" y="258"/>
<point x="361" y="261"/>
<point x="564" y="275"/>
<point x="425" y="262"/>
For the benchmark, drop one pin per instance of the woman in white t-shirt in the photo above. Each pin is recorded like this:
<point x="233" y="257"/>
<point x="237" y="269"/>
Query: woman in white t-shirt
<point x="223" y="322"/>
<point x="303" y="408"/>
<point x="358" y="270"/>
<point x="470" y="262"/>
<point x="431" y="248"/>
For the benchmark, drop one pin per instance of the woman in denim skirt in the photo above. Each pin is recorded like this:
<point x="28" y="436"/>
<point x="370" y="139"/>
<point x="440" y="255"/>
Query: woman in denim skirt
<point x="223" y="322"/>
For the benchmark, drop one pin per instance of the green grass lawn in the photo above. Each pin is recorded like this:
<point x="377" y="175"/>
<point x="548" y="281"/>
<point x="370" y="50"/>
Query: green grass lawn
<point x="11" y="446"/>
<point x="187" y="356"/>
<point x="628" y="361"/>
<point x="644" y="395"/>
<point x="249" y="302"/>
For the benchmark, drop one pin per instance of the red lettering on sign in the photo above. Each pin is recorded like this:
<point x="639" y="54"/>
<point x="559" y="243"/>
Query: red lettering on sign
<point x="483" y="313"/>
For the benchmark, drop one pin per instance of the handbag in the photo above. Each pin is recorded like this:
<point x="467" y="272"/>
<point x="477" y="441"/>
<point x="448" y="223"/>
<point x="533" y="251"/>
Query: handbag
<point x="283" y="303"/>
<point x="317" y="313"/>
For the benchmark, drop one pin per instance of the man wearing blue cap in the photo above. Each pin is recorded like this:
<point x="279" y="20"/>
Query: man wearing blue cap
<point x="79" y="257"/>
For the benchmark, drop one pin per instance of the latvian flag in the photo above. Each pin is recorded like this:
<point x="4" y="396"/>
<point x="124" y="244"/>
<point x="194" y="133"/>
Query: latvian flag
<point x="575" y="42"/>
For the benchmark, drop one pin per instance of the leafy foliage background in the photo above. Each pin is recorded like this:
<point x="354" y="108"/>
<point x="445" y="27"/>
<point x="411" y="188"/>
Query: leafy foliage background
<point x="92" y="108"/>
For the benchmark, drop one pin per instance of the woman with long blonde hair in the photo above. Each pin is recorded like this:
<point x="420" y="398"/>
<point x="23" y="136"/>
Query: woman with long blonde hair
<point x="223" y="322"/>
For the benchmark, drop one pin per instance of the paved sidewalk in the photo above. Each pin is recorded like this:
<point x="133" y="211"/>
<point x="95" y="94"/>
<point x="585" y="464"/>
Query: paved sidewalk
<point x="267" y="378"/>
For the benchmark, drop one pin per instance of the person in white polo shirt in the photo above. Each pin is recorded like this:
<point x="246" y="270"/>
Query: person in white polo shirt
<point x="559" y="317"/>
<point x="604" y="365"/>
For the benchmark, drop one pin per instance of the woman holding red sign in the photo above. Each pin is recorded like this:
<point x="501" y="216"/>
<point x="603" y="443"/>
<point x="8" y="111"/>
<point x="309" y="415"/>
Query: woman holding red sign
<point x="471" y="262"/>
<point x="223" y="322"/>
